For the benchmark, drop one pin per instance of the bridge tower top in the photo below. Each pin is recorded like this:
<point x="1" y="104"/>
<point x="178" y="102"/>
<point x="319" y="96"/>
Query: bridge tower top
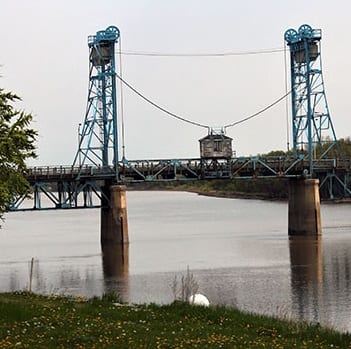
<point x="312" y="127"/>
<point x="98" y="137"/>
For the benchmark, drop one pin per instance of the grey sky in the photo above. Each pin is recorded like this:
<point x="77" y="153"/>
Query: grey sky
<point x="44" y="59"/>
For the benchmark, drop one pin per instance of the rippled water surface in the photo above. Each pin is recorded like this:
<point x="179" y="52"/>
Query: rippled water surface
<point x="238" y="251"/>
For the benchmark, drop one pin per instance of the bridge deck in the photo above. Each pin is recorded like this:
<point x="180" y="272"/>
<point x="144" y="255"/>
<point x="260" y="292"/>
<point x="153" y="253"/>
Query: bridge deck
<point x="65" y="187"/>
<point x="174" y="169"/>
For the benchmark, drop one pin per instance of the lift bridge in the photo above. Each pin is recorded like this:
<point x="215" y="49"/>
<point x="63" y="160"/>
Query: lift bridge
<point x="98" y="165"/>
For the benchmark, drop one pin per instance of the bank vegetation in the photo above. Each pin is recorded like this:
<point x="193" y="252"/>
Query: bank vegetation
<point x="269" y="189"/>
<point x="33" y="321"/>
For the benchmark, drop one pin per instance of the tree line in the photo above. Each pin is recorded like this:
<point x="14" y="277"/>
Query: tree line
<point x="17" y="145"/>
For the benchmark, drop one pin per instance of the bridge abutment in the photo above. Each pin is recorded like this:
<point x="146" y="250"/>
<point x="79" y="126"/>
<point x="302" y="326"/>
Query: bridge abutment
<point x="114" y="222"/>
<point x="304" y="207"/>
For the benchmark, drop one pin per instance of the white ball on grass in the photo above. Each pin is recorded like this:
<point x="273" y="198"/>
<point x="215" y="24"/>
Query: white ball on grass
<point x="199" y="299"/>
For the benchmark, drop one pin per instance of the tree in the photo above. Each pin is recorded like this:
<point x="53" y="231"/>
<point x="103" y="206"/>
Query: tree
<point x="17" y="144"/>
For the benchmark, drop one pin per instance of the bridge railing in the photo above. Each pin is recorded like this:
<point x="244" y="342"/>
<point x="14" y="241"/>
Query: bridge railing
<point x="67" y="172"/>
<point x="191" y="168"/>
<point x="48" y="171"/>
<point x="74" y="186"/>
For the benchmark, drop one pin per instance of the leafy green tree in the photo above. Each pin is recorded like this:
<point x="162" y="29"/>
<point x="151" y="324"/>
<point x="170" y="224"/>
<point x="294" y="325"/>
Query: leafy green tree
<point x="17" y="144"/>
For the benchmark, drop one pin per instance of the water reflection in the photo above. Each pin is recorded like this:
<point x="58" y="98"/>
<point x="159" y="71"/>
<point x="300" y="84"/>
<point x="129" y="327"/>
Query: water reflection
<point x="306" y="265"/>
<point x="115" y="263"/>
<point x="257" y="268"/>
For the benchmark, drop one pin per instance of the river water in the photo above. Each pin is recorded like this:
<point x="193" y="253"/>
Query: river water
<point x="238" y="251"/>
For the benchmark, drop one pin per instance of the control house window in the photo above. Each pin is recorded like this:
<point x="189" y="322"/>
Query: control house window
<point x="218" y="146"/>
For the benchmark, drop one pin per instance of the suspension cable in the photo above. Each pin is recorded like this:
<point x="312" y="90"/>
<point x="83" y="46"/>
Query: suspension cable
<point x="121" y="100"/>
<point x="208" y="54"/>
<point x="286" y="101"/>
<point x="159" y="107"/>
<point x="197" y="123"/>
<point x="257" y="113"/>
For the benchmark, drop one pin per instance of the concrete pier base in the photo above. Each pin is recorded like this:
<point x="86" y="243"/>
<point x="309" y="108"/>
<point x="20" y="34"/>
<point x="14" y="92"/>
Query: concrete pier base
<point x="306" y="261"/>
<point x="304" y="207"/>
<point x="115" y="263"/>
<point x="114" y="222"/>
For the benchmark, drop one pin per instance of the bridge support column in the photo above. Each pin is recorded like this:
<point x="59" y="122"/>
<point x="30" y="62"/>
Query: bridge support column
<point x="304" y="207"/>
<point x="115" y="263"/>
<point x="114" y="223"/>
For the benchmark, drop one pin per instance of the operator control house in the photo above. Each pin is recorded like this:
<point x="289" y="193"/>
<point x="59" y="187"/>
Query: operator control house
<point x="216" y="146"/>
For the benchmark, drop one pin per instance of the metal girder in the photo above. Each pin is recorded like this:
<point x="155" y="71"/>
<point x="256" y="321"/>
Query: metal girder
<point x="98" y="139"/>
<point x="158" y="170"/>
<point x="64" y="187"/>
<point x="166" y="169"/>
<point x="334" y="186"/>
<point x="312" y="127"/>
<point x="61" y="195"/>
<point x="96" y="164"/>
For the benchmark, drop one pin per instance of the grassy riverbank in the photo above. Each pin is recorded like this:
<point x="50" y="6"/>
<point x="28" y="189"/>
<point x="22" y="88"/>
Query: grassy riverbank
<point x="33" y="321"/>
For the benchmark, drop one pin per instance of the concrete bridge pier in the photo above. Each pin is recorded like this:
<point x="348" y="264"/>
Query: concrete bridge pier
<point x="114" y="222"/>
<point x="115" y="263"/>
<point x="304" y="207"/>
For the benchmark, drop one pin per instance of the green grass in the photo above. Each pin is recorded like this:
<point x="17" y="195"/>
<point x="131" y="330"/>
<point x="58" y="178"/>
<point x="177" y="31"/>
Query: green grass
<point x="33" y="321"/>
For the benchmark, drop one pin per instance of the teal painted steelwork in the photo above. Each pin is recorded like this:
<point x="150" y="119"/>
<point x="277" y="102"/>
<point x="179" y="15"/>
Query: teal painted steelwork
<point x="59" y="188"/>
<point x="313" y="130"/>
<point x="96" y="164"/>
<point x="98" y="140"/>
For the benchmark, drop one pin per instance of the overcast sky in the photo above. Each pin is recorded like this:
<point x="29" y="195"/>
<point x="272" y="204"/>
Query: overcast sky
<point x="44" y="59"/>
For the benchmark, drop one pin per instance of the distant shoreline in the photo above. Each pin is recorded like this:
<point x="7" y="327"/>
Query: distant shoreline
<point x="224" y="192"/>
<point x="212" y="188"/>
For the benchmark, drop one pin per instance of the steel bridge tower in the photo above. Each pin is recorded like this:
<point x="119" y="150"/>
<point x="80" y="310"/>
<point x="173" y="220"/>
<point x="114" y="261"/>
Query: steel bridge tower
<point x="314" y="136"/>
<point x="313" y="131"/>
<point x="98" y="138"/>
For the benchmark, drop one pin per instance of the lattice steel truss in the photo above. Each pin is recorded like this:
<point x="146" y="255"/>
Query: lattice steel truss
<point x="96" y="164"/>
<point x="98" y="139"/>
<point x="314" y="136"/>
<point x="313" y="131"/>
